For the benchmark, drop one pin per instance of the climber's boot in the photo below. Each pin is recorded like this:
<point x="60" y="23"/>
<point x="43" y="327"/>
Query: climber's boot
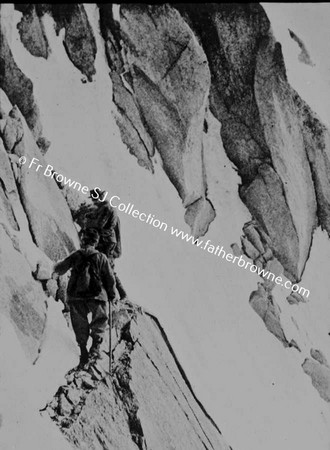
<point x="83" y="356"/>
<point x="95" y="350"/>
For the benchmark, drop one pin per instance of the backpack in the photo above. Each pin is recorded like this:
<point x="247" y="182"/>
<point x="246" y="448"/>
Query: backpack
<point x="85" y="279"/>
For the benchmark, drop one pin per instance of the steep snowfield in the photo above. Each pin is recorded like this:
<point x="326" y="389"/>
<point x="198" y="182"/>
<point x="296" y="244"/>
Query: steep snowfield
<point x="254" y="388"/>
<point x="310" y="22"/>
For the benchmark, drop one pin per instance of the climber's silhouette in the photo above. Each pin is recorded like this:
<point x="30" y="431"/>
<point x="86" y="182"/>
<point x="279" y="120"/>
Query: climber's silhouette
<point x="91" y="284"/>
<point x="103" y="217"/>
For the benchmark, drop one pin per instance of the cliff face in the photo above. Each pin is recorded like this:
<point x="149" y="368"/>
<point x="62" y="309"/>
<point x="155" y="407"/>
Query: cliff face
<point x="202" y="101"/>
<point x="148" y="402"/>
<point x="148" y="399"/>
<point x="169" y="81"/>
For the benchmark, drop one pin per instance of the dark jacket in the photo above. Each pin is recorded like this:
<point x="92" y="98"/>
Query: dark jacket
<point x="103" y="267"/>
<point x="103" y="217"/>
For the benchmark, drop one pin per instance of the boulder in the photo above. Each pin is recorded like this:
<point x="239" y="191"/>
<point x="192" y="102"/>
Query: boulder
<point x="294" y="298"/>
<point x="320" y="376"/>
<point x="199" y="215"/>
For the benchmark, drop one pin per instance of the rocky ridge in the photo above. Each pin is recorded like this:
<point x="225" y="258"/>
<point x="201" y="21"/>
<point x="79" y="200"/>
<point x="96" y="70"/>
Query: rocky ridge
<point x="147" y="400"/>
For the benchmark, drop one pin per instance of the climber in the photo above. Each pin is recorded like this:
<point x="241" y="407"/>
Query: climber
<point x="90" y="285"/>
<point x="103" y="217"/>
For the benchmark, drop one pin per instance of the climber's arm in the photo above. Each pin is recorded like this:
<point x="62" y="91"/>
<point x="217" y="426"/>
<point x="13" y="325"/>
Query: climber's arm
<point x="63" y="266"/>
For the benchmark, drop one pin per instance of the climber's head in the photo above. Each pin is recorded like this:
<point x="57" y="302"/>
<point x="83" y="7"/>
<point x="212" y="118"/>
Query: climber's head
<point x="89" y="237"/>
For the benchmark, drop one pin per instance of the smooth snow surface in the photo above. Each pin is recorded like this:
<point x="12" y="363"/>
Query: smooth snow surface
<point x="310" y="22"/>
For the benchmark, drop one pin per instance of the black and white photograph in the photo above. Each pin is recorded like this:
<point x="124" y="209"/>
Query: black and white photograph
<point x="165" y="226"/>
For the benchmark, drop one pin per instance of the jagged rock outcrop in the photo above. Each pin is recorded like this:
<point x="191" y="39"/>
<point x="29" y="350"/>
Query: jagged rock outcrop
<point x="35" y="225"/>
<point x="162" y="84"/>
<point x="79" y="40"/>
<point x="317" y="144"/>
<point x="261" y="116"/>
<point x="256" y="245"/>
<point x="250" y="96"/>
<point x="49" y="217"/>
<point x="148" y="402"/>
<point x="32" y="30"/>
<point x="263" y="304"/>
<point x="17" y="86"/>
<point x="318" y="369"/>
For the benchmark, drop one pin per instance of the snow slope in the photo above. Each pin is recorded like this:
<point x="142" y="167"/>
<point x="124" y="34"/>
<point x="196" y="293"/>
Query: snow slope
<point x="310" y="22"/>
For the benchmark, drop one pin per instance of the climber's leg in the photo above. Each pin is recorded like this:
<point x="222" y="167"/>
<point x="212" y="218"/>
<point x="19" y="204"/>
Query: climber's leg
<point x="98" y="325"/>
<point x="79" y="320"/>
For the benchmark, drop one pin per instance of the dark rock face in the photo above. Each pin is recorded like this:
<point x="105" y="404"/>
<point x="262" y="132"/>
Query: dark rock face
<point x="32" y="32"/>
<point x="264" y="198"/>
<point x="17" y="86"/>
<point x="250" y="96"/>
<point x="79" y="40"/>
<point x="129" y="119"/>
<point x="47" y="212"/>
<point x="148" y="403"/>
<point x="317" y="144"/>
<point x="161" y="87"/>
<point x="230" y="36"/>
<point x="284" y="136"/>
<point x="163" y="82"/>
